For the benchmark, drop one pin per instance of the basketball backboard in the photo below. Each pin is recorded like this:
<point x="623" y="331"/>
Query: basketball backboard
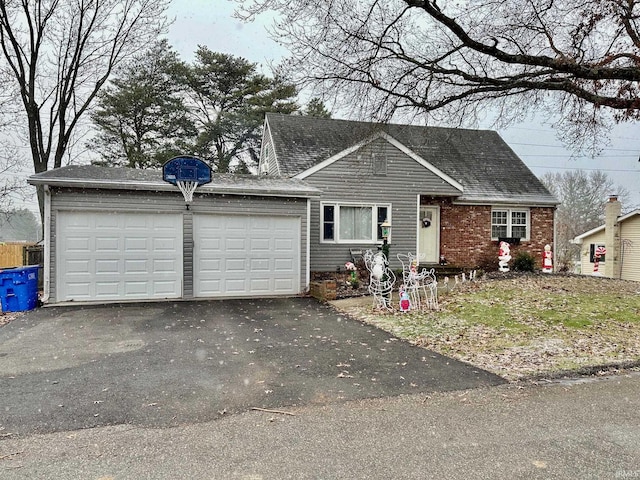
<point x="186" y="168"/>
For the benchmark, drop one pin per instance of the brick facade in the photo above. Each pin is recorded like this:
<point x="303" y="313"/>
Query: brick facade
<point x="465" y="234"/>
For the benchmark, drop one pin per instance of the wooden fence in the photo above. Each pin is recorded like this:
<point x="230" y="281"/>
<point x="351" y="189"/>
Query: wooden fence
<point x="12" y="254"/>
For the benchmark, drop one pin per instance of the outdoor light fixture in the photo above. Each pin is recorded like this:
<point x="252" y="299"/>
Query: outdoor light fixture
<point x="386" y="230"/>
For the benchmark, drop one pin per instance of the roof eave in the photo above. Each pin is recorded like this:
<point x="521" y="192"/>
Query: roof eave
<point x="528" y="202"/>
<point x="305" y="192"/>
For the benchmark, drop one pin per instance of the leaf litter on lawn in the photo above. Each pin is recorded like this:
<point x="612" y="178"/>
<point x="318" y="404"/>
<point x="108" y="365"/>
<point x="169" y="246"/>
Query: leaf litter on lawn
<point x="525" y="325"/>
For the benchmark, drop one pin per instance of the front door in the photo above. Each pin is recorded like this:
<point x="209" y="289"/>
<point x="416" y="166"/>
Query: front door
<point x="429" y="234"/>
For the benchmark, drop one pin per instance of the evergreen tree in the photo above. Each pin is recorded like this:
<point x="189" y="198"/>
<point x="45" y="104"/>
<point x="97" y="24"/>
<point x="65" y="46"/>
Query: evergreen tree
<point x="141" y="117"/>
<point x="228" y="101"/>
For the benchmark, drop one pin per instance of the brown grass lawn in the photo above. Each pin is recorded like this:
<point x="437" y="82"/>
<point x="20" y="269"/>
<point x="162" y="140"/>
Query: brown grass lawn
<point x="524" y="326"/>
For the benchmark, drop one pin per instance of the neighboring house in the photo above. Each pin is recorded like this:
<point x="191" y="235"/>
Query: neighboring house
<point x="620" y="237"/>
<point x="119" y="234"/>
<point x="446" y="192"/>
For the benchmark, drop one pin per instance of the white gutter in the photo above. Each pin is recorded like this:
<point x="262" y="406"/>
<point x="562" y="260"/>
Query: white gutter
<point x="166" y="187"/>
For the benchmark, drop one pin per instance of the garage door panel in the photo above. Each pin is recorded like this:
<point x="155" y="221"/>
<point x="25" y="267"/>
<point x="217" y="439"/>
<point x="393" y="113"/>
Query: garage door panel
<point x="235" y="244"/>
<point x="107" y="244"/>
<point x="283" y="265"/>
<point x="106" y="290"/>
<point x="282" y="244"/>
<point x="161" y="288"/>
<point x="77" y="266"/>
<point x="283" y="285"/>
<point x="260" y="244"/>
<point x="210" y="265"/>
<point x="259" y="265"/>
<point x="165" y="266"/>
<point x="164" y="244"/>
<point x="135" y="288"/>
<point x="136" y="266"/>
<point x="236" y="285"/>
<point x="260" y="284"/>
<point x="116" y="256"/>
<point x="78" y="244"/>
<point x="235" y="265"/>
<point x="247" y="264"/>
<point x="136" y="244"/>
<point x="109" y="267"/>
<point x="103" y="222"/>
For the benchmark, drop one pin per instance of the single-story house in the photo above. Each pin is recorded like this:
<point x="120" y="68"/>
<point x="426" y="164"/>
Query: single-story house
<point x="449" y="194"/>
<point x="118" y="234"/>
<point x="323" y="190"/>
<point x="620" y="239"/>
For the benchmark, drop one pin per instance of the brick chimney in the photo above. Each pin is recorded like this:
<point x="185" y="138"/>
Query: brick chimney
<point x="612" y="211"/>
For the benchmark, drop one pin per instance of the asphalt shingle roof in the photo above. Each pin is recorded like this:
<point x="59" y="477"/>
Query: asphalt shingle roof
<point x="93" y="176"/>
<point x="480" y="160"/>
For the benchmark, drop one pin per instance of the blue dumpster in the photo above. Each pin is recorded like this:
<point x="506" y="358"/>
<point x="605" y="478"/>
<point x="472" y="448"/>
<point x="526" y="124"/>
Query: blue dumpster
<point x="19" y="288"/>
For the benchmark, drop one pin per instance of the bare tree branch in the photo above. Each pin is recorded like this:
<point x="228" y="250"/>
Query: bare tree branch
<point x="456" y="60"/>
<point x="59" y="54"/>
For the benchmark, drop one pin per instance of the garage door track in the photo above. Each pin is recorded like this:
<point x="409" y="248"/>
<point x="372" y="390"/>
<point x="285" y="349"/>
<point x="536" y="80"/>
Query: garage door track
<point x="164" y="364"/>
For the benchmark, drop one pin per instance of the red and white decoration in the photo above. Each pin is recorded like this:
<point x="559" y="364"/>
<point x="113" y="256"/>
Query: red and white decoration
<point x="597" y="254"/>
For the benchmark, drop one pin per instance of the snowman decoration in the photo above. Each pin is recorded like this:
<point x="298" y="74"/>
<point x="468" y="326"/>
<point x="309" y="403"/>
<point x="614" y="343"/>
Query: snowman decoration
<point x="504" y="256"/>
<point x="378" y="267"/>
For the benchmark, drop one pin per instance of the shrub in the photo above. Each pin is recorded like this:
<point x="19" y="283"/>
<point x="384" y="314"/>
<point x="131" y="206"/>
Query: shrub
<point x="524" y="262"/>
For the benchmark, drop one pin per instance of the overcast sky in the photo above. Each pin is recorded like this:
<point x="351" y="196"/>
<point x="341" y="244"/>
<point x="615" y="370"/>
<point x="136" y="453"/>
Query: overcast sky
<point x="197" y="23"/>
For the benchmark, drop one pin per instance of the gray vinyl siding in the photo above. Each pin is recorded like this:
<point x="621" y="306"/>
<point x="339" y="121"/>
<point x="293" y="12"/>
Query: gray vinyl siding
<point x="268" y="154"/>
<point x="69" y="199"/>
<point x="351" y="179"/>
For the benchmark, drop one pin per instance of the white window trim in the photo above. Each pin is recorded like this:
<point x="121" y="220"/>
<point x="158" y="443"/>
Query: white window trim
<point x="336" y="221"/>
<point x="509" y="211"/>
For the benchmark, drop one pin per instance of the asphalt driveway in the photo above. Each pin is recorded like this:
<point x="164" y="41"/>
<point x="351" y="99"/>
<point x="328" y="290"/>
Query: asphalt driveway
<point x="167" y="364"/>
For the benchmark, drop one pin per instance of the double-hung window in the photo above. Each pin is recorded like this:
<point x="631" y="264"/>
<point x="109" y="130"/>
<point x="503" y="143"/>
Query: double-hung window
<point x="352" y="223"/>
<point x="510" y="222"/>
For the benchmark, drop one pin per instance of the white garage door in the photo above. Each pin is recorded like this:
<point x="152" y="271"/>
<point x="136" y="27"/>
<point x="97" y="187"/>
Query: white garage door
<point x="118" y="256"/>
<point x="242" y="255"/>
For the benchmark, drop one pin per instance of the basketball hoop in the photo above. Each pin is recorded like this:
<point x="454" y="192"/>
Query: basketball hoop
<point x="187" y="187"/>
<point x="187" y="173"/>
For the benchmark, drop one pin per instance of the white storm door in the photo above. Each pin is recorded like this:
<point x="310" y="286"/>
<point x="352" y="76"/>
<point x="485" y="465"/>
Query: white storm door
<point x="429" y="234"/>
<point x="118" y="256"/>
<point x="245" y="255"/>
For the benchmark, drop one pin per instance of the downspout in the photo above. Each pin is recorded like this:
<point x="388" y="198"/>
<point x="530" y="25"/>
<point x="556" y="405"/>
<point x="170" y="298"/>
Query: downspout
<point x="418" y="229"/>
<point x="47" y="244"/>
<point x="308" y="255"/>
<point x="555" y="238"/>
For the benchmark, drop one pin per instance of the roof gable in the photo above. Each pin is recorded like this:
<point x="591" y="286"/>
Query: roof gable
<point x="385" y="136"/>
<point x="621" y="219"/>
<point x="478" y="161"/>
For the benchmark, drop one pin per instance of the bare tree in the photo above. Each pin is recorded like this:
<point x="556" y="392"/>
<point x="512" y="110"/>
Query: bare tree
<point x="59" y="53"/>
<point x="582" y="198"/>
<point x="577" y="59"/>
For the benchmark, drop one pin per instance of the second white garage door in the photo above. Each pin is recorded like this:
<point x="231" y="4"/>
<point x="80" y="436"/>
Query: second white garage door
<point x="245" y="255"/>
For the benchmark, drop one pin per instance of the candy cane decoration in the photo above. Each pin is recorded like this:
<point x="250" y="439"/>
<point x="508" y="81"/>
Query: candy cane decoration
<point x="599" y="252"/>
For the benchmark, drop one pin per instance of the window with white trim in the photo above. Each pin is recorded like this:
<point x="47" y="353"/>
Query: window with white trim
<point x="510" y="222"/>
<point x="352" y="223"/>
